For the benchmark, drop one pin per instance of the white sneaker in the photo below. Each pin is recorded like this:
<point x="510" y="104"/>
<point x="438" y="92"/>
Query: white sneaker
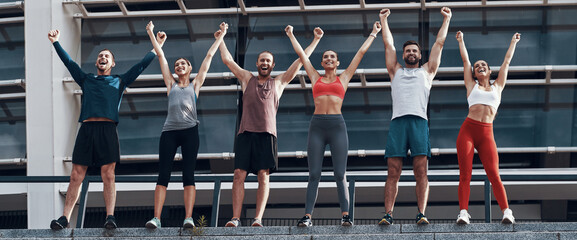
<point x="508" y="217"/>
<point x="463" y="217"/>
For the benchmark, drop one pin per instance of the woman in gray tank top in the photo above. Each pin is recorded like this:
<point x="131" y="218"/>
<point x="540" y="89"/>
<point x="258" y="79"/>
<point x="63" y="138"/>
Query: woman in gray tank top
<point x="181" y="125"/>
<point x="327" y="124"/>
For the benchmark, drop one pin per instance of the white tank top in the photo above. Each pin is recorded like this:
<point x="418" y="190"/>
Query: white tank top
<point x="490" y="98"/>
<point x="410" y="91"/>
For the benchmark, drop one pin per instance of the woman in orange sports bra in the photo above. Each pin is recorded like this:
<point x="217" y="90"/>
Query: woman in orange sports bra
<point x="327" y="124"/>
<point x="477" y="130"/>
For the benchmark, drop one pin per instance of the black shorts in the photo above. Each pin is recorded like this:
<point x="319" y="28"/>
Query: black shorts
<point x="256" y="151"/>
<point x="96" y="144"/>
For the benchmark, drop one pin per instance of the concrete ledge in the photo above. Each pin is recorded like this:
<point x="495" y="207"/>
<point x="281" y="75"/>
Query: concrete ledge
<point x="35" y="233"/>
<point x="477" y="231"/>
<point x="568" y="236"/>
<point x="125" y="232"/>
<point x="451" y="227"/>
<point x="497" y="236"/>
<point x="411" y="236"/>
<point x="357" y="229"/>
<point x="546" y="227"/>
<point x="242" y="231"/>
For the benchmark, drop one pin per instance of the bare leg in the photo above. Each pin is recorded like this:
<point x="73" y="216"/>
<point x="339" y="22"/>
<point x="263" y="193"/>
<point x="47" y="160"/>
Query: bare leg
<point x="159" y="197"/>
<point x="109" y="190"/>
<point x="76" y="177"/>
<point x="238" y="192"/>
<point x="395" y="165"/>
<point x="262" y="193"/>
<point x="422" y="182"/>
<point x="189" y="198"/>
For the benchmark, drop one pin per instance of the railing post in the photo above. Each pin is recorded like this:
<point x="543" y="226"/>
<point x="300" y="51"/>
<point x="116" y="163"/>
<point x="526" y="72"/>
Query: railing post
<point x="487" y="201"/>
<point x="82" y="203"/>
<point x="352" y="199"/>
<point x="215" y="203"/>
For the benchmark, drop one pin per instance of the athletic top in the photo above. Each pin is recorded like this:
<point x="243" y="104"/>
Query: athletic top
<point x="490" y="98"/>
<point x="101" y="94"/>
<point x="410" y="91"/>
<point x="334" y="89"/>
<point x="259" y="107"/>
<point x="181" y="108"/>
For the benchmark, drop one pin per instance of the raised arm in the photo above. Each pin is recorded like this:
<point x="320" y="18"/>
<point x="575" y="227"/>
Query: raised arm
<point x="166" y="74"/>
<point x="435" y="57"/>
<point x="201" y="76"/>
<point x="291" y="72"/>
<point x="504" y="71"/>
<point x="304" y="59"/>
<point x="390" y="51"/>
<point x="467" y="71"/>
<point x="241" y="74"/>
<point x="75" y="71"/>
<point x="350" y="71"/>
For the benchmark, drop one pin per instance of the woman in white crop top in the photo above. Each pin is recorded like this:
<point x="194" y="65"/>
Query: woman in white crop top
<point x="477" y="130"/>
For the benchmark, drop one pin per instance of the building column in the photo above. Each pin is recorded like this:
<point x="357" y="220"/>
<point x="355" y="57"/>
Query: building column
<point x="51" y="108"/>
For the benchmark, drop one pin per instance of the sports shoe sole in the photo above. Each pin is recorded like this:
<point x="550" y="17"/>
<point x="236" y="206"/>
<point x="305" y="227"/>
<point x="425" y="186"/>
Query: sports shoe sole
<point x="346" y="224"/>
<point x="110" y="226"/>
<point x="188" y="226"/>
<point x="229" y="224"/>
<point x="462" y="221"/>
<point x="150" y="225"/>
<point x="506" y="221"/>
<point x="423" y="221"/>
<point x="55" y="225"/>
<point x="384" y="222"/>
<point x="303" y="225"/>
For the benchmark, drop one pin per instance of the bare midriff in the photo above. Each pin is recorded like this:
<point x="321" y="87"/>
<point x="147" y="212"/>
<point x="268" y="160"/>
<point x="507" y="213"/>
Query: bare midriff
<point x="482" y="113"/>
<point x="98" y="119"/>
<point x="328" y="104"/>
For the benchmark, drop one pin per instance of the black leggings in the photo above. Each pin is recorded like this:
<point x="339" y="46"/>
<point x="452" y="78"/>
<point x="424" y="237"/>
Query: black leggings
<point x="187" y="140"/>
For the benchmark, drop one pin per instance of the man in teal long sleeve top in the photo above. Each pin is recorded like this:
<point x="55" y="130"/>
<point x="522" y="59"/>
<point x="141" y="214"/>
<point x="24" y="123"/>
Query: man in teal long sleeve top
<point x="97" y="140"/>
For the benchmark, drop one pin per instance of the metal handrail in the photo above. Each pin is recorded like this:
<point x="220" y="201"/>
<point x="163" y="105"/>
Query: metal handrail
<point x="303" y="154"/>
<point x="217" y="180"/>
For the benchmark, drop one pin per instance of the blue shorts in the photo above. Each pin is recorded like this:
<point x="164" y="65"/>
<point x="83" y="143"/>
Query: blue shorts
<point x="408" y="132"/>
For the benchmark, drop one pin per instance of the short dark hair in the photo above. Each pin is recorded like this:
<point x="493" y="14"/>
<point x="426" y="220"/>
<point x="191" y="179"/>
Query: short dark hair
<point x="331" y="51"/>
<point x="266" y="52"/>
<point x="106" y="49"/>
<point x="411" y="42"/>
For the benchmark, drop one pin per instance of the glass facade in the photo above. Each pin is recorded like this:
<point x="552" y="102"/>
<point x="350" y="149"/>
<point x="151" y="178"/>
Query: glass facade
<point x="531" y="115"/>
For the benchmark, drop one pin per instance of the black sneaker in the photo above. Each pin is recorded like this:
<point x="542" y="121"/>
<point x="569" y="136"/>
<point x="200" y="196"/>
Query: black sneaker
<point x="305" y="222"/>
<point x="61" y="223"/>
<point x="422" y="219"/>
<point x="110" y="222"/>
<point x="387" y="220"/>
<point x="346" y="221"/>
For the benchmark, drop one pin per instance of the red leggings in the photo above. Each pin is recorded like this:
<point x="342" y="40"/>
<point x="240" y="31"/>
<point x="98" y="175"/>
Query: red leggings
<point x="479" y="135"/>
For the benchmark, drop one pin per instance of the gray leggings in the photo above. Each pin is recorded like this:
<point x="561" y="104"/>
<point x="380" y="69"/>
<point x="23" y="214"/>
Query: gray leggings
<point x="327" y="129"/>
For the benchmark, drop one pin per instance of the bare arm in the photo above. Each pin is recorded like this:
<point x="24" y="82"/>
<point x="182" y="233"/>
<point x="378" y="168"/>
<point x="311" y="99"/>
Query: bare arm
<point x="504" y="71"/>
<point x="291" y="72"/>
<point x="467" y="72"/>
<point x="201" y="76"/>
<point x="350" y="71"/>
<point x="390" y="51"/>
<point x="435" y="57"/>
<point x="304" y="58"/>
<point x="241" y="74"/>
<point x="166" y="74"/>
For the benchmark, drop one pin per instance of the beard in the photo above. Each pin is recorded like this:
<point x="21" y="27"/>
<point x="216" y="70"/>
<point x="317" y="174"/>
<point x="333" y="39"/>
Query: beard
<point x="264" y="73"/>
<point x="408" y="61"/>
